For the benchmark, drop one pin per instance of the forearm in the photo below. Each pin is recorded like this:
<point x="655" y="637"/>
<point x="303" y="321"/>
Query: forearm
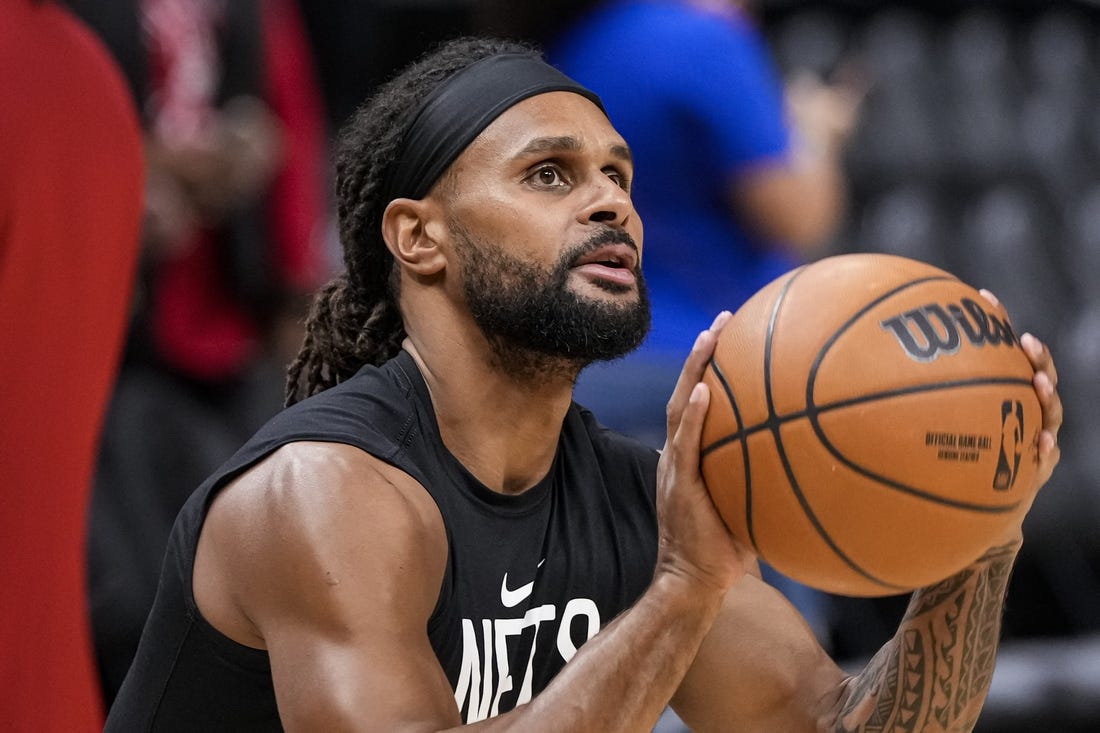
<point x="796" y="203"/>
<point x="622" y="679"/>
<point x="935" y="673"/>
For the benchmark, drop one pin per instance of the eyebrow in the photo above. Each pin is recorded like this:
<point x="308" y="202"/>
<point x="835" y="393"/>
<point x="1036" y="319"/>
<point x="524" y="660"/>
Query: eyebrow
<point x="567" y="144"/>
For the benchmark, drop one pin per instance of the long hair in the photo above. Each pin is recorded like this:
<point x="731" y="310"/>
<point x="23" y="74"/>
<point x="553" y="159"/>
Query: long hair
<point x="354" y="320"/>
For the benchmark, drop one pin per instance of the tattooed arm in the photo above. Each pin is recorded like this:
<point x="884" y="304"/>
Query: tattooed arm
<point x="933" y="675"/>
<point x="935" y="672"/>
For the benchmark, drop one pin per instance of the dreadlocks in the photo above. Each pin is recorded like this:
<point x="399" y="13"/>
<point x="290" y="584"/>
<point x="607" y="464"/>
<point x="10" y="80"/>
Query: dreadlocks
<point x="355" y="320"/>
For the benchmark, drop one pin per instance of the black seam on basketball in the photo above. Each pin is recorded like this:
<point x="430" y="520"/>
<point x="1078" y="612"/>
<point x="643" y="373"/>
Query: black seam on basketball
<point x="916" y="389"/>
<point x="772" y="417"/>
<point x="768" y="336"/>
<point x="767" y="366"/>
<point x="744" y="448"/>
<point x="870" y="397"/>
<point x="906" y="488"/>
<point x="774" y="422"/>
<point x="807" y="509"/>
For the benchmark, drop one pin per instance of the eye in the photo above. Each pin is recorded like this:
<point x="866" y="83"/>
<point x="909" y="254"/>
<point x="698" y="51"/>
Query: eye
<point x="548" y="175"/>
<point x="621" y="179"/>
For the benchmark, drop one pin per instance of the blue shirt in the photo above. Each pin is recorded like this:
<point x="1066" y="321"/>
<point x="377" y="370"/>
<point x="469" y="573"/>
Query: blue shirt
<point x="696" y="96"/>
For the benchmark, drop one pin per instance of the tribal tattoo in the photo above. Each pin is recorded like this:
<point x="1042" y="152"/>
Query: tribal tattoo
<point x="935" y="673"/>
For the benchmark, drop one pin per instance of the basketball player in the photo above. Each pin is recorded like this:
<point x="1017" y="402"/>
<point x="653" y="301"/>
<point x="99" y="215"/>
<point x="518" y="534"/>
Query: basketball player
<point x="434" y="533"/>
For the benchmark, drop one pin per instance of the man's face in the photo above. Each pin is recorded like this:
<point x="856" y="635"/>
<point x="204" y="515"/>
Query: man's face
<point x="546" y="235"/>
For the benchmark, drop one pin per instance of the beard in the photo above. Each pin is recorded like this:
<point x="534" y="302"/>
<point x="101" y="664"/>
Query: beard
<point x="536" y="325"/>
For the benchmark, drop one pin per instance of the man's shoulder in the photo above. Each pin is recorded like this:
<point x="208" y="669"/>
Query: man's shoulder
<point x="322" y="473"/>
<point x="373" y="412"/>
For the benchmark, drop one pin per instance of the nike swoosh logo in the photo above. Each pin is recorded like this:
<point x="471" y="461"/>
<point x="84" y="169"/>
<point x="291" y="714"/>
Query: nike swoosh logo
<point x="515" y="597"/>
<point x="512" y="598"/>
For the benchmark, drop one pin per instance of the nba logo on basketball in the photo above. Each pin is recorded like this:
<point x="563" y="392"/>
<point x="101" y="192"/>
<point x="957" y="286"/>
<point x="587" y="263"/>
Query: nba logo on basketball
<point x="1012" y="438"/>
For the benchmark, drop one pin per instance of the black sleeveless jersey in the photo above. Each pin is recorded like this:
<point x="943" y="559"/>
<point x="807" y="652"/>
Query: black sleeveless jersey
<point x="529" y="578"/>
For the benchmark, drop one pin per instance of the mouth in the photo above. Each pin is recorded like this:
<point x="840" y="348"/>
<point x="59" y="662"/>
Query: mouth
<point x="616" y="261"/>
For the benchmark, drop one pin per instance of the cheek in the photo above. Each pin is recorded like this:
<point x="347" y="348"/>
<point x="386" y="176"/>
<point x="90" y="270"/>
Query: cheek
<point x="486" y="213"/>
<point x="522" y="231"/>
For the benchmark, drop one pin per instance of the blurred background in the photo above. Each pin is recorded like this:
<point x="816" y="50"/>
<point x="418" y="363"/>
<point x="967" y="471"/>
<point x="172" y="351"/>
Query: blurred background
<point x="974" y="145"/>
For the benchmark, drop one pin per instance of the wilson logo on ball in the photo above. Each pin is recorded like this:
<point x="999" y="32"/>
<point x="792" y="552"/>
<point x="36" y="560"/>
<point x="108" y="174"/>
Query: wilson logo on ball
<point x="933" y="330"/>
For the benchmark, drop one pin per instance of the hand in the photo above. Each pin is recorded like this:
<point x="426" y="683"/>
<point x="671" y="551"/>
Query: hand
<point x="694" y="541"/>
<point x="1045" y="382"/>
<point x="824" y="115"/>
<point x="170" y="217"/>
<point x="230" y="165"/>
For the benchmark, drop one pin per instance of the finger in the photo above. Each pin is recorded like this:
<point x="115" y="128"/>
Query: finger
<point x="1048" y="446"/>
<point x="993" y="299"/>
<point x="1050" y="402"/>
<point x="1049" y="455"/>
<point x="720" y="322"/>
<point x="689" y="432"/>
<point x="1040" y="356"/>
<point x="693" y="369"/>
<point x="690" y="375"/>
<point x="1045" y="382"/>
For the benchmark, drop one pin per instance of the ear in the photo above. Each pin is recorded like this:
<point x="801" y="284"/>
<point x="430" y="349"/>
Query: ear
<point x="412" y="229"/>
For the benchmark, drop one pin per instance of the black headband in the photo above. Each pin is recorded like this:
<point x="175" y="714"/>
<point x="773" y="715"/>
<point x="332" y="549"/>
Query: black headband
<point x="459" y="109"/>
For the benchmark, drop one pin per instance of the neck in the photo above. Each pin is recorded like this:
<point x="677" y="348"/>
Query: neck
<point x="501" y="422"/>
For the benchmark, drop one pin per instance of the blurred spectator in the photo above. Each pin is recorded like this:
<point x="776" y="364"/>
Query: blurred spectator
<point x="70" y="212"/>
<point x="235" y="214"/>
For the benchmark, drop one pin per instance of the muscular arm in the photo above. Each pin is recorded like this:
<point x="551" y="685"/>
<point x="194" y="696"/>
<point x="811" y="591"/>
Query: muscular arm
<point x="332" y="560"/>
<point x="933" y="675"/>
<point x="935" y="672"/>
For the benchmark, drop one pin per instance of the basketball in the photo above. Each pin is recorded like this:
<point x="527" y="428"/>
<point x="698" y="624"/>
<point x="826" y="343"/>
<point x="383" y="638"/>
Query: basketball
<point x="872" y="426"/>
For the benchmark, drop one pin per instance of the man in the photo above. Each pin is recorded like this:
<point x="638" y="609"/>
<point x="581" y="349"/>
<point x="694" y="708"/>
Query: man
<point x="436" y="538"/>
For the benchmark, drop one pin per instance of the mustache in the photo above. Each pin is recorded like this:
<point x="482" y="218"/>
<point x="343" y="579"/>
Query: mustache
<point x="606" y="235"/>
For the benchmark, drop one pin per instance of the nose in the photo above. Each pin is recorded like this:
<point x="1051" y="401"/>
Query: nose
<point x="608" y="203"/>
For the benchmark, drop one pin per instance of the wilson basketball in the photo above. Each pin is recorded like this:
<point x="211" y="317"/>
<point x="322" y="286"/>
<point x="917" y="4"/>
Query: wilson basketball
<point x="872" y="425"/>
